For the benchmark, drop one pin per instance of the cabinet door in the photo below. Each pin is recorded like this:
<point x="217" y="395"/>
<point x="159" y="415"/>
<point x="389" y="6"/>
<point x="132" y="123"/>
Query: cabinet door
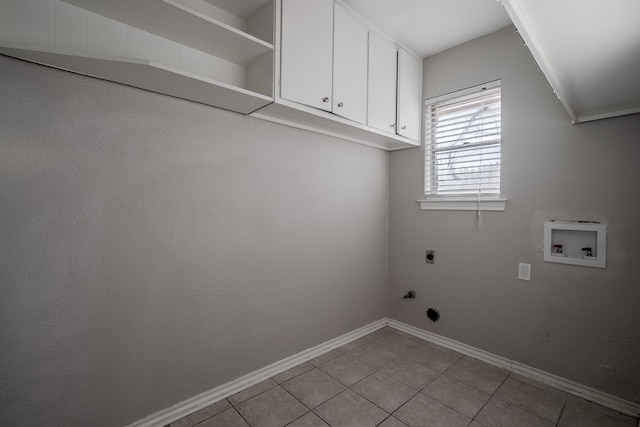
<point x="307" y="51"/>
<point x="409" y="95"/>
<point x="349" y="66"/>
<point x="383" y="60"/>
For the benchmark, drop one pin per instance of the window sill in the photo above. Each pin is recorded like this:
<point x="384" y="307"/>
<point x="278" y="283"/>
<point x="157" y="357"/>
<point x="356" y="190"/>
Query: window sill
<point x="463" y="204"/>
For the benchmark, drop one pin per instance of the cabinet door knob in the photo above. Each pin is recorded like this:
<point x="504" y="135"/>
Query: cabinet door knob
<point x="340" y="104"/>
<point x="392" y="125"/>
<point x="325" y="99"/>
<point x="404" y="127"/>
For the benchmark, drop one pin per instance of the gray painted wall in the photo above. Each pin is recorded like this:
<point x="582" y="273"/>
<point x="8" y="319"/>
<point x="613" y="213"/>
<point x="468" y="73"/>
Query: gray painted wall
<point x="577" y="322"/>
<point x="152" y="248"/>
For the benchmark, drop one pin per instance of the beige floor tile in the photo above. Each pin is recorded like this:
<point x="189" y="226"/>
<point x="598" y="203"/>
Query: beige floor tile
<point x="590" y="406"/>
<point x="350" y="409"/>
<point x="293" y="372"/>
<point x="486" y="365"/>
<point x="531" y="399"/>
<point x="392" y="422"/>
<point x="347" y="370"/>
<point x="459" y="396"/>
<point x="581" y="413"/>
<point x="385" y="391"/>
<point x="438" y="347"/>
<point x="498" y="413"/>
<point x="374" y="355"/>
<point x="308" y="420"/>
<point x="476" y="376"/>
<point x="355" y="344"/>
<point x="228" y="418"/>
<point x="407" y="335"/>
<point x="416" y="381"/>
<point x="203" y="414"/>
<point x="411" y="373"/>
<point x="422" y="410"/>
<point x="397" y="343"/>
<point x="324" y="358"/>
<point x="313" y="387"/>
<point x="254" y="390"/>
<point x="537" y="384"/>
<point x="431" y="358"/>
<point x="376" y="334"/>
<point x="273" y="408"/>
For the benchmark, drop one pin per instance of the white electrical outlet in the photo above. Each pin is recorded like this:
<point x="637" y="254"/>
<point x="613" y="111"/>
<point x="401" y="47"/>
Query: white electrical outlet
<point x="524" y="271"/>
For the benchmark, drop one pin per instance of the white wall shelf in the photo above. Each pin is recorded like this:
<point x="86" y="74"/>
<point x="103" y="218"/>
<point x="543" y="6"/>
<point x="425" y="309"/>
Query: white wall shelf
<point x="174" y="21"/>
<point x="147" y="75"/>
<point x="582" y="243"/>
<point x="162" y="46"/>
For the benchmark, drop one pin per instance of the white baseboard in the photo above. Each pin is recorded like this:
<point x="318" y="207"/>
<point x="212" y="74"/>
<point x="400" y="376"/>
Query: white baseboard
<point x="182" y="409"/>
<point x="205" y="399"/>
<point x="588" y="393"/>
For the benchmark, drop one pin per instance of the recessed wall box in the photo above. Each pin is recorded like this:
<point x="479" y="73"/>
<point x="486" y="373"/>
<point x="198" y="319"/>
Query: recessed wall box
<point x="576" y="242"/>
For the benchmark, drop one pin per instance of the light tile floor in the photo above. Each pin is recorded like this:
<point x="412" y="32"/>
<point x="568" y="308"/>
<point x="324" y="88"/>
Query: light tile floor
<point x="392" y="379"/>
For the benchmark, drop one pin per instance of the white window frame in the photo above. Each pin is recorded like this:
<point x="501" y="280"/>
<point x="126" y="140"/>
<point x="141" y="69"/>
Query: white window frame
<point x="474" y="203"/>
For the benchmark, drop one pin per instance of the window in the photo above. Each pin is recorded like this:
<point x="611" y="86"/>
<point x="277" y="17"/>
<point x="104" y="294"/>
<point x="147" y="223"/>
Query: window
<point x="462" y="148"/>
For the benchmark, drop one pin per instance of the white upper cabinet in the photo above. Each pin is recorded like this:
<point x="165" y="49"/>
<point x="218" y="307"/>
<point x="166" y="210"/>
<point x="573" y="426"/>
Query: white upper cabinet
<point x="324" y="58"/>
<point x="338" y="76"/>
<point x="395" y="89"/>
<point x="409" y="95"/>
<point x="349" y="66"/>
<point x="307" y="52"/>
<point x="383" y="83"/>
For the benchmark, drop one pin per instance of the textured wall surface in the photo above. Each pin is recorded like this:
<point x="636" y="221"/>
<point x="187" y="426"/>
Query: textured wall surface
<point x="152" y="248"/>
<point x="577" y="322"/>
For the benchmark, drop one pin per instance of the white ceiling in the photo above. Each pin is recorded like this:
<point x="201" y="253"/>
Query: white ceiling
<point x="589" y="50"/>
<point x="427" y="27"/>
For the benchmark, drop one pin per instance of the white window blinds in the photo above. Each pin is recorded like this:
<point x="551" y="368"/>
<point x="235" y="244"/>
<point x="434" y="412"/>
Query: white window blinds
<point x="463" y="139"/>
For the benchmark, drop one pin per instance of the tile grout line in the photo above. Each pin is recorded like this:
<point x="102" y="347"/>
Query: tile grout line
<point x="376" y="370"/>
<point x="376" y="405"/>
<point x="255" y="395"/>
<point x="564" y="405"/>
<point x="312" y="410"/>
<point x="491" y="395"/>
<point x="318" y="415"/>
<point x="298" y="400"/>
<point x="525" y="409"/>
<point x="444" y="404"/>
<point x="520" y="407"/>
<point x="241" y="416"/>
<point x="417" y="391"/>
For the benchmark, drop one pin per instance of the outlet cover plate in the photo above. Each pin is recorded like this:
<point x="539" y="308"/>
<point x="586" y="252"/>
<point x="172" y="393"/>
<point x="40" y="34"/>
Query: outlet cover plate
<point x="524" y="271"/>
